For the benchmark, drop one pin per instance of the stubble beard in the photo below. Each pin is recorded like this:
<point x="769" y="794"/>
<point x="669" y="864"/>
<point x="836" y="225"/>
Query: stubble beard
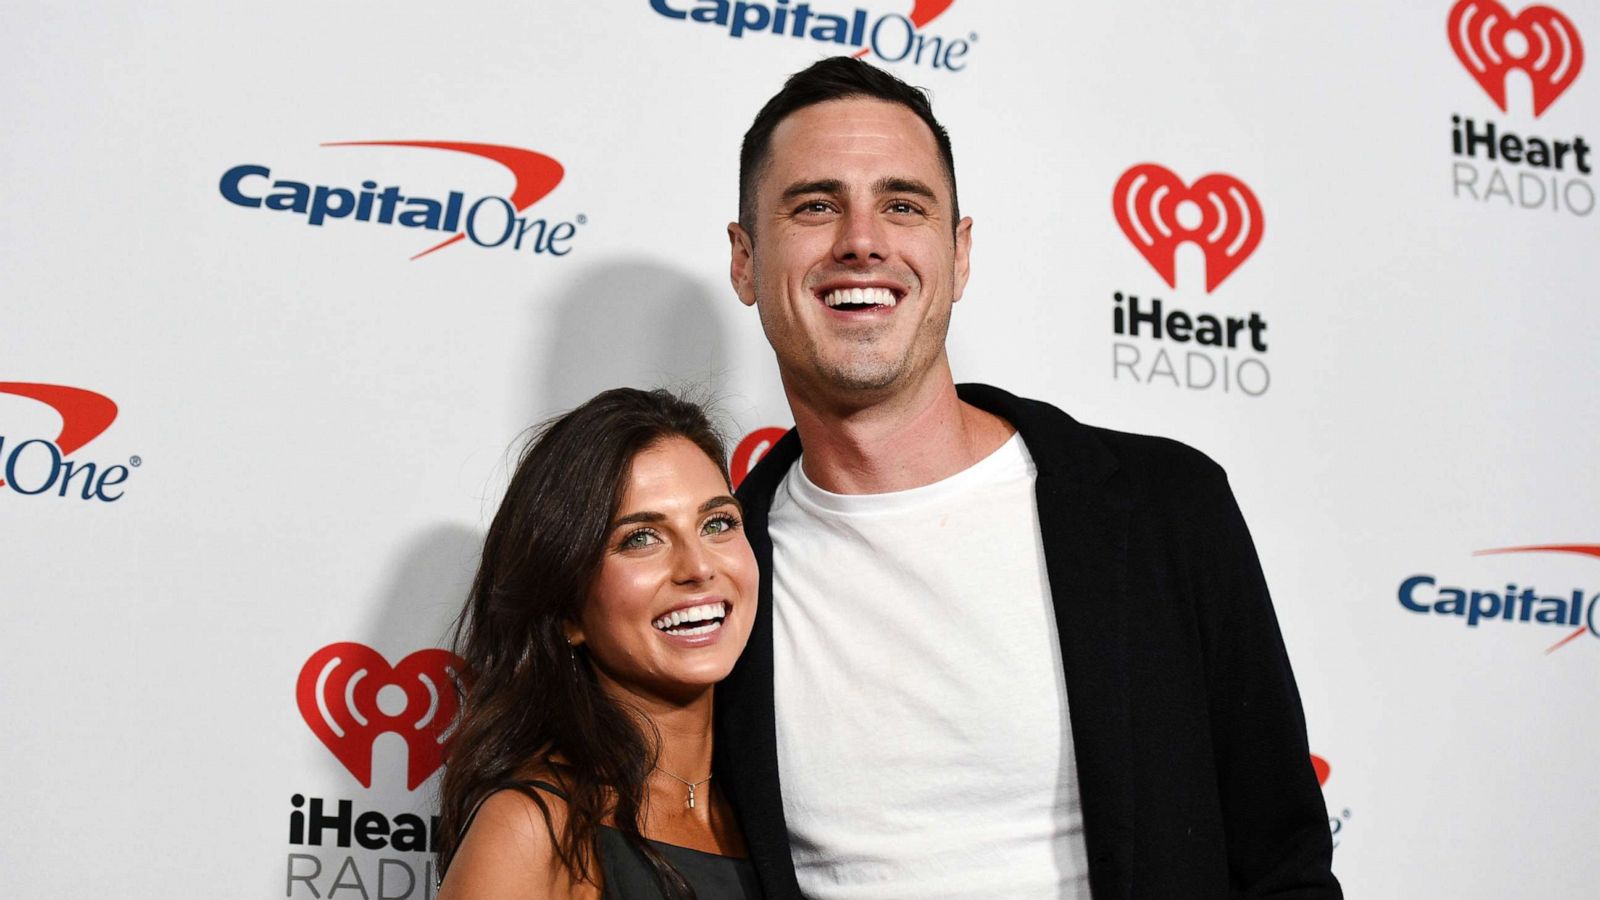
<point x="863" y="371"/>
<point x="858" y="370"/>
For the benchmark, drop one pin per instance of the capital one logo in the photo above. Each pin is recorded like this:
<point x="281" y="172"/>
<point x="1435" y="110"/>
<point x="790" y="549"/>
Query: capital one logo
<point x="489" y="221"/>
<point x="1336" y="822"/>
<point x="1158" y="212"/>
<point x="1321" y="767"/>
<point x="1540" y="41"/>
<point x="1520" y="602"/>
<point x="889" y="36"/>
<point x="39" y="465"/>
<point x="349" y="695"/>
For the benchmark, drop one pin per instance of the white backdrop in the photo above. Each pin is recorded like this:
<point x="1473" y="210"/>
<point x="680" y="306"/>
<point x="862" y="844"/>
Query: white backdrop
<point x="320" y="422"/>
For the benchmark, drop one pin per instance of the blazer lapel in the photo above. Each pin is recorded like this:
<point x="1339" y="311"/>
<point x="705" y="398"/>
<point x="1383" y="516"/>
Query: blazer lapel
<point x="1085" y="553"/>
<point x="1084" y="523"/>
<point x="747" y="731"/>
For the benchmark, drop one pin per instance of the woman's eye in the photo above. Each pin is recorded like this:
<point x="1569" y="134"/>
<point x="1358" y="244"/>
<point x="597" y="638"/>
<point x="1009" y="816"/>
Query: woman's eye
<point x="720" y="524"/>
<point x="640" y="539"/>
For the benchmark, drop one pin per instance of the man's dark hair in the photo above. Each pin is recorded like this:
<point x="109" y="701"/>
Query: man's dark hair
<point x="835" y="78"/>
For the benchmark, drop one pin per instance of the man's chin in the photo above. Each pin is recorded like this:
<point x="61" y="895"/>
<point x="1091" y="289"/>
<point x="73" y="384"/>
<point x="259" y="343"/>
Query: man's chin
<point x="849" y="389"/>
<point x="857" y="375"/>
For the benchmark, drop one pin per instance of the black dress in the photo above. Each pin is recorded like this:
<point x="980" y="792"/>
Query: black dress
<point x="713" y="877"/>
<point x="628" y="875"/>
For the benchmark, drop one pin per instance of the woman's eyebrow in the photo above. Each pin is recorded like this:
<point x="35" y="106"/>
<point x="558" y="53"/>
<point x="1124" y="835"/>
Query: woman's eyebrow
<point x="723" y="500"/>
<point x="650" y="516"/>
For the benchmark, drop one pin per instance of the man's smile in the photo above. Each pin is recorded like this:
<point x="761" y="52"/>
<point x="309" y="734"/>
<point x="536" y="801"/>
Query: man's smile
<point x="859" y="298"/>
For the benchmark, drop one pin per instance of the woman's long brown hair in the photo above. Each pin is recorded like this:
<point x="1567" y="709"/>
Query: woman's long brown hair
<point x="531" y="697"/>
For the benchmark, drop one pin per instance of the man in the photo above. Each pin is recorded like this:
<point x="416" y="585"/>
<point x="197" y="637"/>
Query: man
<point x="999" y="653"/>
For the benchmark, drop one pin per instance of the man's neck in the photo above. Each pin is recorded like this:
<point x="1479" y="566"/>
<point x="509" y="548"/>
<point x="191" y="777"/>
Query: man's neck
<point x="911" y="438"/>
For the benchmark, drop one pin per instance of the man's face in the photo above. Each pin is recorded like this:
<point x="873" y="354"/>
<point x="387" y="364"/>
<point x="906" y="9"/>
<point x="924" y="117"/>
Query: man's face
<point x="855" y="260"/>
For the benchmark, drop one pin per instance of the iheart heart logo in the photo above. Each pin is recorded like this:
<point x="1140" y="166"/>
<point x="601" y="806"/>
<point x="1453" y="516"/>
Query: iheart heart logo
<point x="1223" y="216"/>
<point x="338" y="696"/>
<point x="749" y="452"/>
<point x="1539" y="40"/>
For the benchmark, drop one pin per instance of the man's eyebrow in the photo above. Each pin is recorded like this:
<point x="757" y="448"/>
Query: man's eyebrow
<point x="897" y="185"/>
<point x="892" y="184"/>
<point x="820" y="186"/>
<point x="649" y="517"/>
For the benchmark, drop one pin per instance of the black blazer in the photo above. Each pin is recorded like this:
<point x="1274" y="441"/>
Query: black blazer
<point x="1190" y="743"/>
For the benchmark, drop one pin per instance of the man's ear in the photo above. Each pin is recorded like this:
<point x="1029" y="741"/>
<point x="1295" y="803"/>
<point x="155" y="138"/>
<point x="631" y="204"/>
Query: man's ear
<point x="963" y="266"/>
<point x="741" y="271"/>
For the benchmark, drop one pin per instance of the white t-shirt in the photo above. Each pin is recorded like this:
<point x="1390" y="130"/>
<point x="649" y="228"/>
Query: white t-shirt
<point x="924" y="748"/>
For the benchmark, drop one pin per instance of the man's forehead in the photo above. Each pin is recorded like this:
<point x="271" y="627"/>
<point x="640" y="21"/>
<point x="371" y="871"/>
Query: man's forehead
<point x="817" y="141"/>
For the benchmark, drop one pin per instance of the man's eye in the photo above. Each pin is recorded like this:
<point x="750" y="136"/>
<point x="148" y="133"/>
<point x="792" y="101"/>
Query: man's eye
<point x="815" y="206"/>
<point x="903" y="206"/>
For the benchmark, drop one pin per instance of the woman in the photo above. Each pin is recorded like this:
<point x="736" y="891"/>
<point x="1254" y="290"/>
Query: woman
<point x="616" y="588"/>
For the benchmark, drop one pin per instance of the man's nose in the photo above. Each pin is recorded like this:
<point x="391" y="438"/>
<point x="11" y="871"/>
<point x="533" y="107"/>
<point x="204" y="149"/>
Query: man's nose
<point x="861" y="238"/>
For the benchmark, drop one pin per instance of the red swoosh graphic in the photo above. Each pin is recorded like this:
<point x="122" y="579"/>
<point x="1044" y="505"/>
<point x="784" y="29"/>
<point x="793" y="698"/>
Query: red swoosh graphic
<point x="922" y="12"/>
<point x="536" y="174"/>
<point x="925" y="11"/>
<point x="1580" y="549"/>
<point x="1565" y="641"/>
<point x="85" y="415"/>
<point x="1583" y="549"/>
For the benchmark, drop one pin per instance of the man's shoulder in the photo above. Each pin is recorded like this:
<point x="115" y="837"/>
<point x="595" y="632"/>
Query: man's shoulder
<point x="1057" y="440"/>
<point x="1158" y="459"/>
<point x="1059" y="444"/>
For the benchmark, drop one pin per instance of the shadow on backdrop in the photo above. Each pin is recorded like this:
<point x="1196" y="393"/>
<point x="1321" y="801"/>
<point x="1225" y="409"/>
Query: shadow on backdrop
<point x="413" y="611"/>
<point x="628" y="323"/>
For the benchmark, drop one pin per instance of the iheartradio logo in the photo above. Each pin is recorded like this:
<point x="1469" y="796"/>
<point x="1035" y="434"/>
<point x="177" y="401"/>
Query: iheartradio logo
<point x="749" y="452"/>
<point x="349" y="695"/>
<point x="1157" y="212"/>
<point x="1540" y="41"/>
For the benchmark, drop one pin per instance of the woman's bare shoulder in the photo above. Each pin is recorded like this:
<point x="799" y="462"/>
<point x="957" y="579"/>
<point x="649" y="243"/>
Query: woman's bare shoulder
<point x="509" y="851"/>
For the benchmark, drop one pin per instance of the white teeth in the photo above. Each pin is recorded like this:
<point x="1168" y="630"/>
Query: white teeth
<point x="869" y="296"/>
<point x="714" y="612"/>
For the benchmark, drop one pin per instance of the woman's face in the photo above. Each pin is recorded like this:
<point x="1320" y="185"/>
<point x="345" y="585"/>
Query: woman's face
<point x="671" y="609"/>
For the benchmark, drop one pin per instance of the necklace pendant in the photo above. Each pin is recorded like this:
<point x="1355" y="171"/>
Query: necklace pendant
<point x="691" y="796"/>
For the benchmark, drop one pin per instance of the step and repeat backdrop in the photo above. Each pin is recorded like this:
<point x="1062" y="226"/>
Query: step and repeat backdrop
<point x="284" y="284"/>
